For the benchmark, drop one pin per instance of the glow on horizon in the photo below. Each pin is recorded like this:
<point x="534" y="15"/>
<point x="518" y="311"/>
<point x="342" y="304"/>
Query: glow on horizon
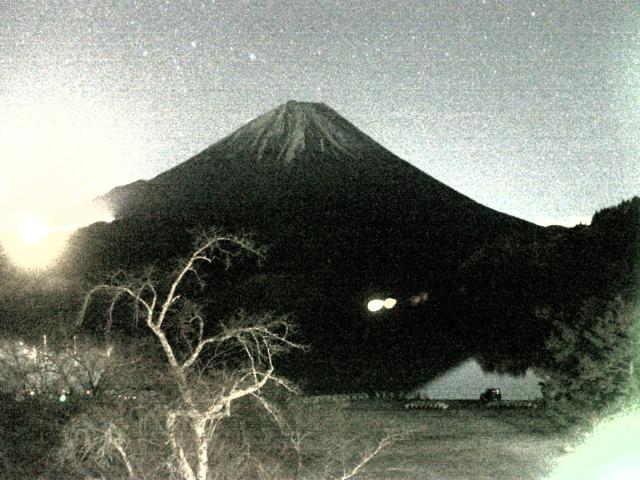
<point x="570" y="221"/>
<point x="60" y="148"/>
<point x="33" y="243"/>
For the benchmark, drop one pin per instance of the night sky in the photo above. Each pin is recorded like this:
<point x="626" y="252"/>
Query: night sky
<point x="531" y="108"/>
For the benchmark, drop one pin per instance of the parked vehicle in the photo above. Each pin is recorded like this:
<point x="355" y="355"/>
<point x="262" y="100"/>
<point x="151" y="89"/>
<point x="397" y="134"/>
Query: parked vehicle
<point x="491" y="395"/>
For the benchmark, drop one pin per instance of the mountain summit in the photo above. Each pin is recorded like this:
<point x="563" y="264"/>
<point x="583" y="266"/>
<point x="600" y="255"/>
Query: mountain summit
<point x="297" y="128"/>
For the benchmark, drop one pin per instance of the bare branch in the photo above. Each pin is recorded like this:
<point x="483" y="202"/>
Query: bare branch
<point x="205" y="251"/>
<point x="116" y="291"/>
<point x="258" y="327"/>
<point x="382" y="445"/>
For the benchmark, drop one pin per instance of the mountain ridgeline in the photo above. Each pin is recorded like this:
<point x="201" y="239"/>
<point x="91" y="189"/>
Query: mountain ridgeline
<point x="344" y="221"/>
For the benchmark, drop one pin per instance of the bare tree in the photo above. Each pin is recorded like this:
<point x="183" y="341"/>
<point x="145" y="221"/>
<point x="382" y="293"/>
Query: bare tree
<point x="192" y="419"/>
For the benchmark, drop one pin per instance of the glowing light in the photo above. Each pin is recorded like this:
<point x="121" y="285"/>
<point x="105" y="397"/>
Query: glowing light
<point x="32" y="243"/>
<point x="611" y="452"/>
<point x="375" y="305"/>
<point x="56" y="155"/>
<point x="389" y="303"/>
<point x="33" y="230"/>
<point x="378" y="304"/>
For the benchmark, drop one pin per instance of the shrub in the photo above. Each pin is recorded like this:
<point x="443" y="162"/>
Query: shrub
<point x="593" y="364"/>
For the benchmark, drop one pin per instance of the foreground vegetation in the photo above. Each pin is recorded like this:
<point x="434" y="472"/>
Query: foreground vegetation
<point x="174" y="395"/>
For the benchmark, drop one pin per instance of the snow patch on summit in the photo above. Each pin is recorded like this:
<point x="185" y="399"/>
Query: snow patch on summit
<point x="297" y="127"/>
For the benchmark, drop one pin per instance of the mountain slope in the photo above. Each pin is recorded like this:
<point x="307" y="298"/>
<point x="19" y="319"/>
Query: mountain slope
<point x="297" y="149"/>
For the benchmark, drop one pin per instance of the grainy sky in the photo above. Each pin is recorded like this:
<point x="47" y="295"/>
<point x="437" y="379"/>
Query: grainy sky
<point x="531" y="108"/>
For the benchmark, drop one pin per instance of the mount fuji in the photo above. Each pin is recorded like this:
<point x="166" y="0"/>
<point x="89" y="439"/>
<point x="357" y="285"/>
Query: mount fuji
<point x="295" y="150"/>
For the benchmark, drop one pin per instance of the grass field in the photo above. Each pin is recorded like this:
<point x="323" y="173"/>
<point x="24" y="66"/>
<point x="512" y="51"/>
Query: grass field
<point x="466" y="442"/>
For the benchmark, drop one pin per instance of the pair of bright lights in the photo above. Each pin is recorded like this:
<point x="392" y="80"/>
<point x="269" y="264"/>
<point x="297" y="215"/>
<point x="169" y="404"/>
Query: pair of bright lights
<point x="378" y="304"/>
